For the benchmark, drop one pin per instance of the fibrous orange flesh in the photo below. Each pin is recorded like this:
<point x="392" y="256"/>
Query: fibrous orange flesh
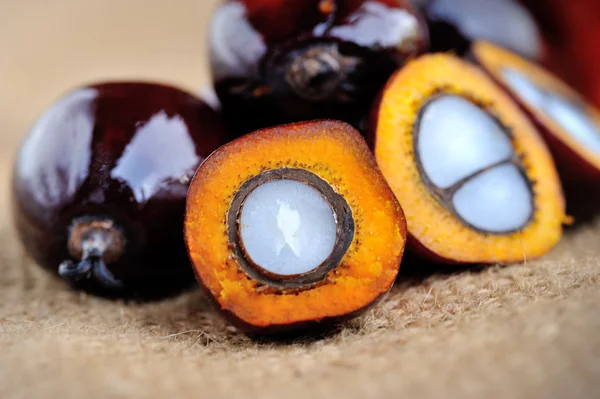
<point x="433" y="229"/>
<point x="570" y="152"/>
<point x="336" y="153"/>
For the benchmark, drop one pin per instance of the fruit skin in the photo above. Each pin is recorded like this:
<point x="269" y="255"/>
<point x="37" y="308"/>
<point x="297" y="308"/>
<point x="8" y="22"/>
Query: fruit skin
<point x="123" y="151"/>
<point x="454" y="24"/>
<point x="301" y="328"/>
<point x="266" y="70"/>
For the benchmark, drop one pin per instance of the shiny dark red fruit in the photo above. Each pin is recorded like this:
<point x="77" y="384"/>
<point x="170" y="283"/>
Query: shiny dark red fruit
<point x="454" y="24"/>
<point x="571" y="30"/>
<point x="99" y="186"/>
<point x="277" y="61"/>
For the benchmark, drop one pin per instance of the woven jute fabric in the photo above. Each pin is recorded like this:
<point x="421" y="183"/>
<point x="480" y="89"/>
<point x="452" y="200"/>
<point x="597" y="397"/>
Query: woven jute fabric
<point x="523" y="331"/>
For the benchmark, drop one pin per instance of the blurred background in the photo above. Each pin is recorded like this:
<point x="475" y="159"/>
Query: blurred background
<point x="50" y="47"/>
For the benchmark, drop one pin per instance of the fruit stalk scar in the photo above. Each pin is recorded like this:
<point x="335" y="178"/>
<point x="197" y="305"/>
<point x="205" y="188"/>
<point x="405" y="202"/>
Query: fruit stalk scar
<point x="317" y="72"/>
<point x="94" y="242"/>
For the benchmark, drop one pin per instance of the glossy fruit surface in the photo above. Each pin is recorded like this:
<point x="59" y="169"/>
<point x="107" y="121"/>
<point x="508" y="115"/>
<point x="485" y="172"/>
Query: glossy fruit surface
<point x="311" y="197"/>
<point x="455" y="24"/>
<point x="570" y="32"/>
<point x="105" y="171"/>
<point x="276" y="61"/>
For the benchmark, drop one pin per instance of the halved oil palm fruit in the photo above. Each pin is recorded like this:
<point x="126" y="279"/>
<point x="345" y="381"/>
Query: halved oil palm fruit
<point x="570" y="126"/>
<point x="294" y="225"/>
<point x="476" y="181"/>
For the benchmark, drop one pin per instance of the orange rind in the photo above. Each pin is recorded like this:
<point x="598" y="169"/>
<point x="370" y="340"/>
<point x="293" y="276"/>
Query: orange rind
<point x="476" y="181"/>
<point x="225" y="248"/>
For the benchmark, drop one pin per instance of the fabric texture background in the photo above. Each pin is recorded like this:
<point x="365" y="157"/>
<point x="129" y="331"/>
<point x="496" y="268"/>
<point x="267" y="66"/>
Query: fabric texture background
<point x="527" y="330"/>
